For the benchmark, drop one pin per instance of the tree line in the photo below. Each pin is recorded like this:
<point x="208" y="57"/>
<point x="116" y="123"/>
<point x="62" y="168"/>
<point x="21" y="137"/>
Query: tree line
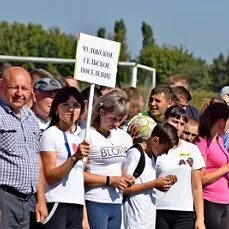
<point x="33" y="40"/>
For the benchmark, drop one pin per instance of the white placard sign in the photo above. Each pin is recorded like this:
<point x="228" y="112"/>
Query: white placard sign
<point x="96" y="60"/>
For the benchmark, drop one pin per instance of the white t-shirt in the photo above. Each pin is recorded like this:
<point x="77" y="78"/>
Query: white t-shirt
<point x="180" y="161"/>
<point x="43" y="124"/>
<point x="105" y="158"/>
<point x="139" y="210"/>
<point x="71" y="188"/>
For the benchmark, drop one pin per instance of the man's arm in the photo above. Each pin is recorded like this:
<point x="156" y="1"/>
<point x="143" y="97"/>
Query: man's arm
<point x="41" y="208"/>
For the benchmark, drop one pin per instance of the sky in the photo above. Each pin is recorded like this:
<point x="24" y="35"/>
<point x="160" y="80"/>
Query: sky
<point x="200" y="26"/>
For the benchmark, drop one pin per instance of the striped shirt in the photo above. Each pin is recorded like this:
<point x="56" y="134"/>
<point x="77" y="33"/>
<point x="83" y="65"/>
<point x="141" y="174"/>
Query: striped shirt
<point x="19" y="149"/>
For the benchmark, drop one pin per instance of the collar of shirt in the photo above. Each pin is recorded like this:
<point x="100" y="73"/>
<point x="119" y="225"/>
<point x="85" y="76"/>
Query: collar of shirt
<point x="25" y="112"/>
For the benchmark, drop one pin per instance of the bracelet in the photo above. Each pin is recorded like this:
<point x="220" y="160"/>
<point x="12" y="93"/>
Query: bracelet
<point x="73" y="158"/>
<point x="108" y="181"/>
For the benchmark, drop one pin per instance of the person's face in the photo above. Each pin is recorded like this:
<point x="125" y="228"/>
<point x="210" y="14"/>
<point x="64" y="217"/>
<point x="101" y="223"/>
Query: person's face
<point x="109" y="121"/>
<point x="183" y="103"/>
<point x="221" y="126"/>
<point x="158" y="104"/>
<point x="190" y="132"/>
<point x="135" y="108"/>
<point x="157" y="148"/>
<point x="43" y="101"/>
<point x="16" y="88"/>
<point x="69" y="111"/>
<point x="179" y="124"/>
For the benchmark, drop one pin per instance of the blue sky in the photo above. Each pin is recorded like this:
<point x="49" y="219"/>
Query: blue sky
<point x="200" y="26"/>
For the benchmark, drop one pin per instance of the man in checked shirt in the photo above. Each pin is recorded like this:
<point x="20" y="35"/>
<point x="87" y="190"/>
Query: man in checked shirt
<point x="19" y="151"/>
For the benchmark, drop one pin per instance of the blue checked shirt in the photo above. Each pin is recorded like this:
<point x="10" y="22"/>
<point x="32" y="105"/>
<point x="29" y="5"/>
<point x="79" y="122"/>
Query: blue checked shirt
<point x="19" y="149"/>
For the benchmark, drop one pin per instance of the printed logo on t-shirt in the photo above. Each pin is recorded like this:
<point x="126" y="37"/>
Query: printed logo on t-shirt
<point x="111" y="152"/>
<point x="78" y="166"/>
<point x="74" y="147"/>
<point x="185" y="159"/>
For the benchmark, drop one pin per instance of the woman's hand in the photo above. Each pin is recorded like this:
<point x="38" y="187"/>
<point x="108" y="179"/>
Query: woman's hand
<point x="82" y="151"/>
<point x="199" y="224"/>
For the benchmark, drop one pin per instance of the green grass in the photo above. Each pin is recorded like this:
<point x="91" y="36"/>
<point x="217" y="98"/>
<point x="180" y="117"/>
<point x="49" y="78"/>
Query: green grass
<point x="200" y="97"/>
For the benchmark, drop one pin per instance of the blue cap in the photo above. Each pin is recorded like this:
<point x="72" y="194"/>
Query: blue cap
<point x="47" y="84"/>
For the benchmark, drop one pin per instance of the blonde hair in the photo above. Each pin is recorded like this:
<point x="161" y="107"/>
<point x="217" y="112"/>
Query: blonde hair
<point x="178" y="80"/>
<point x="115" y="102"/>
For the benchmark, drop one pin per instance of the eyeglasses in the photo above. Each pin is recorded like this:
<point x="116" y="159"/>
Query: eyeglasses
<point x="68" y="106"/>
<point x="188" y="133"/>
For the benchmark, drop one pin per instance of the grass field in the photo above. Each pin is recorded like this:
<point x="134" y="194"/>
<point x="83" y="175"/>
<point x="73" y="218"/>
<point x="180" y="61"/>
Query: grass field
<point x="199" y="97"/>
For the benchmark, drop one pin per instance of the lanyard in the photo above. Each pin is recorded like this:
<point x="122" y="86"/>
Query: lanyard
<point x="67" y="145"/>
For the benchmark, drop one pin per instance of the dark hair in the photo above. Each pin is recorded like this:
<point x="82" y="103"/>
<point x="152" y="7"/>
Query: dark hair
<point x="210" y="116"/>
<point x="166" y="89"/>
<point x="176" y="112"/>
<point x="86" y="92"/>
<point x="182" y="92"/>
<point x="62" y="96"/>
<point x="166" y="133"/>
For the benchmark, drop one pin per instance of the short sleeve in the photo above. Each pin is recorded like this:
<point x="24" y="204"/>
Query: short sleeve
<point x="131" y="161"/>
<point x="198" y="160"/>
<point x="47" y="142"/>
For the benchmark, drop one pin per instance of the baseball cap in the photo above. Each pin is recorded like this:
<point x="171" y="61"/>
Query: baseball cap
<point x="224" y="91"/>
<point x="47" y="84"/>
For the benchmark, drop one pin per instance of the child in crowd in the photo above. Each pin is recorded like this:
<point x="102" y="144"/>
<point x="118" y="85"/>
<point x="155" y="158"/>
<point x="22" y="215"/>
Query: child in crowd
<point x="139" y="209"/>
<point x="183" y="99"/>
<point x="191" y="130"/>
<point x="175" y="208"/>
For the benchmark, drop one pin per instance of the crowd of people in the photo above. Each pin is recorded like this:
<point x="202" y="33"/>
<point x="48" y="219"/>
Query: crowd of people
<point x="51" y="176"/>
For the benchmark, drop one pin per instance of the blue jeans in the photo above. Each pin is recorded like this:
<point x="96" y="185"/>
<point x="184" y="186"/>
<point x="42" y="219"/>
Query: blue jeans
<point x="103" y="215"/>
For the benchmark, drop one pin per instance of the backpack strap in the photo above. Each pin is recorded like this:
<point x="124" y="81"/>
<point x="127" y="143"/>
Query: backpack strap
<point x="141" y="163"/>
<point x="140" y="167"/>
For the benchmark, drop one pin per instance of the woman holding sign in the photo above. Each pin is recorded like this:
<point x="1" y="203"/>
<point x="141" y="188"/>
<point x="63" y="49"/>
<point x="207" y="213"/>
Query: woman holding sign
<point x="61" y="153"/>
<point x="103" y="176"/>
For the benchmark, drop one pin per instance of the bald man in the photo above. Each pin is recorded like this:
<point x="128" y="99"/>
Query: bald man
<point x="19" y="149"/>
